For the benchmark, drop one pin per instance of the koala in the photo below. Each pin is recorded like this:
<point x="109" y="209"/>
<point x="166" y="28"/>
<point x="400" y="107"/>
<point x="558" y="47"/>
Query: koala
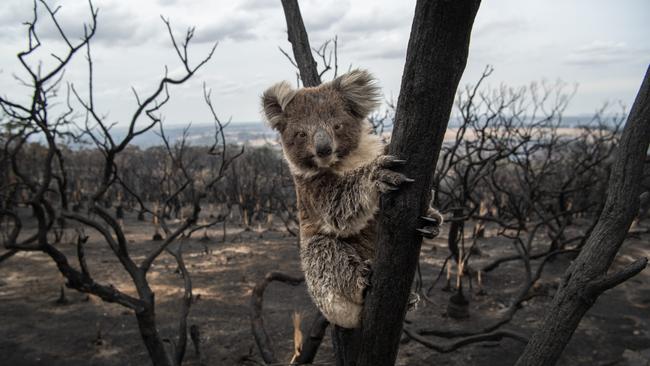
<point x="339" y="170"/>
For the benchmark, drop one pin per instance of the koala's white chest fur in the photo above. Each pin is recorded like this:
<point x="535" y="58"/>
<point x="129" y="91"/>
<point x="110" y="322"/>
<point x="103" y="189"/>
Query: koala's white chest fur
<point x="370" y="147"/>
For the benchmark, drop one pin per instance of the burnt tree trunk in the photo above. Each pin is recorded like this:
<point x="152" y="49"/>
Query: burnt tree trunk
<point x="313" y="340"/>
<point x="300" y="43"/>
<point x="262" y="338"/>
<point x="587" y="276"/>
<point x="435" y="61"/>
<point x="152" y="340"/>
<point x="455" y="233"/>
<point x="346" y="345"/>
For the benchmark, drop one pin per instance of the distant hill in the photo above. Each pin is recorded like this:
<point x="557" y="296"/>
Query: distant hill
<point x="253" y="133"/>
<point x="258" y="133"/>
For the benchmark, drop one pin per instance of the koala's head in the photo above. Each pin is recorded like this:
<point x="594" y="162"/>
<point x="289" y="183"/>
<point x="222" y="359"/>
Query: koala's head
<point x="321" y="126"/>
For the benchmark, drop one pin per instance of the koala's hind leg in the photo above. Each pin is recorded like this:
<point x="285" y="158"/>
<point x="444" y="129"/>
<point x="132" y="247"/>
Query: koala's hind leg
<point x="336" y="277"/>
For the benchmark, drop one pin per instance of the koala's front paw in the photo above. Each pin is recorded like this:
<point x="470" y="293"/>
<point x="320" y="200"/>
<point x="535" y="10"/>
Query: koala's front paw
<point x="431" y="223"/>
<point x="386" y="178"/>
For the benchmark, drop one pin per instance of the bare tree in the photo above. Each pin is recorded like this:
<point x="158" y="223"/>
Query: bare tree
<point x="587" y="277"/>
<point x="511" y="167"/>
<point x="47" y="191"/>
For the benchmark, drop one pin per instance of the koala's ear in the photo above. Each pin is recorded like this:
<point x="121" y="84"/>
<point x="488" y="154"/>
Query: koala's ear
<point x="360" y="92"/>
<point x="274" y="102"/>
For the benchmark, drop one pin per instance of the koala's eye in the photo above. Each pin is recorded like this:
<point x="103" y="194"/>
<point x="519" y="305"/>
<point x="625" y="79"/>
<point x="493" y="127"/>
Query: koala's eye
<point x="338" y="126"/>
<point x="301" y="134"/>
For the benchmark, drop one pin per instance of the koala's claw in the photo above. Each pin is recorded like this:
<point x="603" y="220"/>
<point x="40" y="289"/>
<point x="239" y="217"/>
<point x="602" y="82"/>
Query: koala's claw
<point x="431" y="220"/>
<point x="428" y="232"/>
<point x="387" y="187"/>
<point x="384" y="175"/>
<point x="432" y="224"/>
<point x="389" y="161"/>
<point x="390" y="181"/>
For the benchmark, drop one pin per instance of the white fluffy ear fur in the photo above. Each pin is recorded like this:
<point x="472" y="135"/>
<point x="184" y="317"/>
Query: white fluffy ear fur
<point x="274" y="101"/>
<point x="360" y="91"/>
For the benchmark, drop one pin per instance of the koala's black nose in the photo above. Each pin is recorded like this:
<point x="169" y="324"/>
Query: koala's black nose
<point x="323" y="151"/>
<point x="322" y="143"/>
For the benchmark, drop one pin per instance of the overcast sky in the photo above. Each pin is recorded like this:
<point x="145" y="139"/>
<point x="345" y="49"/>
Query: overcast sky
<point x="602" y="45"/>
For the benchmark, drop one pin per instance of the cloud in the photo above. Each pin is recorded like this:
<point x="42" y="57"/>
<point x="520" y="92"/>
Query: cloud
<point x="387" y="46"/>
<point x="122" y="26"/>
<point x="221" y="84"/>
<point x="322" y="15"/>
<point x="12" y="16"/>
<point x="238" y="27"/>
<point x="395" y="52"/>
<point x="602" y="53"/>
<point x="366" y="32"/>
<point x="376" y="39"/>
<point x="258" y="4"/>
<point x="373" y="21"/>
<point x="501" y="27"/>
<point x="115" y="24"/>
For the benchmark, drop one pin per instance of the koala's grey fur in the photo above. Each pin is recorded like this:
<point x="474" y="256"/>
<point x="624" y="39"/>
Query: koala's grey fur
<point x="339" y="172"/>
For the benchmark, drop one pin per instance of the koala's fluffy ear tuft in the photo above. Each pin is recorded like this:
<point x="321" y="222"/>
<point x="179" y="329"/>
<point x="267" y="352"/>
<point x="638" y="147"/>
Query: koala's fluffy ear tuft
<point x="360" y="91"/>
<point x="274" y="102"/>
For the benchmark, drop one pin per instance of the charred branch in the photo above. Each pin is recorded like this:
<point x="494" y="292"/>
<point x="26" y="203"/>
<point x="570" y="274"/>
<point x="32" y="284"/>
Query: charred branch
<point x="262" y="338"/>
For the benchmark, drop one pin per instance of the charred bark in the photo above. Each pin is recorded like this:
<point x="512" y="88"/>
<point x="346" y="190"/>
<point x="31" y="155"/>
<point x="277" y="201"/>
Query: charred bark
<point x="435" y="60"/>
<point x="8" y="254"/>
<point x="300" y="44"/>
<point x="346" y="343"/>
<point x="151" y="337"/>
<point x="455" y="232"/>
